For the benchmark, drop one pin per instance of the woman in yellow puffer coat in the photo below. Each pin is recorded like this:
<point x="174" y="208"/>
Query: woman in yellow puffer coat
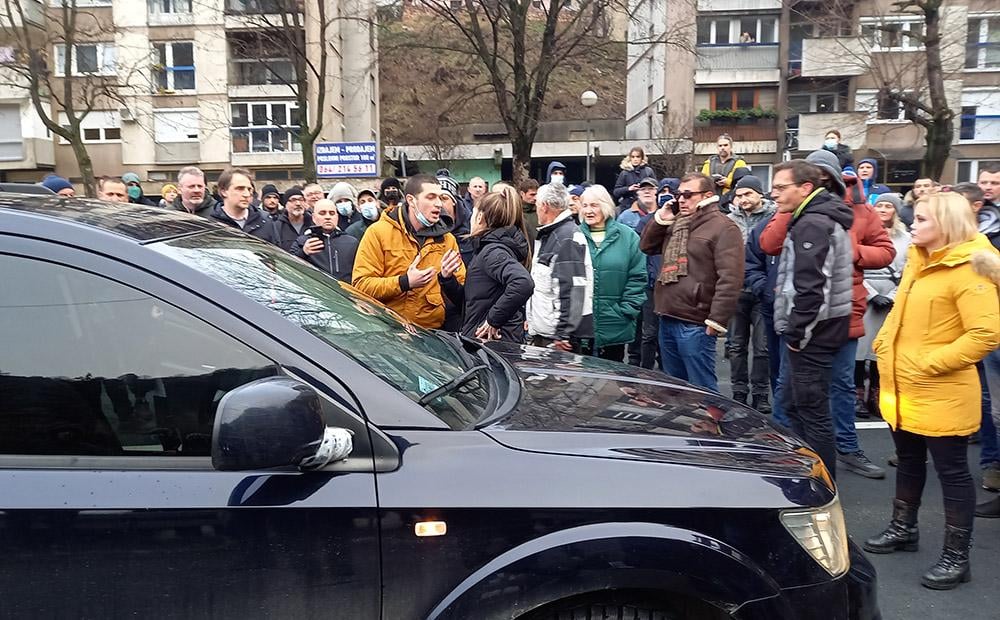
<point x="946" y="318"/>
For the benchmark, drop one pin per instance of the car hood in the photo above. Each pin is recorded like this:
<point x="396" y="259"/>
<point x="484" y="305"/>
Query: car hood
<point x="584" y="406"/>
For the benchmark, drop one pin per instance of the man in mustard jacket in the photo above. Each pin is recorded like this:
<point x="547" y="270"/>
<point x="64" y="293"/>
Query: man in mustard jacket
<point x="409" y="259"/>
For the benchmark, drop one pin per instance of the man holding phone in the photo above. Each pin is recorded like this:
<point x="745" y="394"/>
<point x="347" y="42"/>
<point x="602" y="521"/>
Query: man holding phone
<point x="323" y="244"/>
<point x="700" y="278"/>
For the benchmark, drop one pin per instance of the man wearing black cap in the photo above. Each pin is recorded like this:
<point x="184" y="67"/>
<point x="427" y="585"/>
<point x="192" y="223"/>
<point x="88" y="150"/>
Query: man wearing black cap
<point x="293" y="221"/>
<point x="748" y="210"/>
<point x="270" y="201"/>
<point x="644" y="204"/>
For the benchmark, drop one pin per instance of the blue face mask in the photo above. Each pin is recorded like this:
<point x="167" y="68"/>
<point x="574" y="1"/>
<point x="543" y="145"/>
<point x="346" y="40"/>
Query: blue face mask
<point x="345" y="208"/>
<point x="423" y="220"/>
<point x="664" y="199"/>
<point x="830" y="144"/>
<point x="369" y="211"/>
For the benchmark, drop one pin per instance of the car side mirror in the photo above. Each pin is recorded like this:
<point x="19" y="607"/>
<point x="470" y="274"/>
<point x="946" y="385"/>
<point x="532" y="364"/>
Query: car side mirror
<point x="274" y="422"/>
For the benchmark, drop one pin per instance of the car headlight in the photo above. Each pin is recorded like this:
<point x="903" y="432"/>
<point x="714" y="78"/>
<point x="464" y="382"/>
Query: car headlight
<point x="822" y="533"/>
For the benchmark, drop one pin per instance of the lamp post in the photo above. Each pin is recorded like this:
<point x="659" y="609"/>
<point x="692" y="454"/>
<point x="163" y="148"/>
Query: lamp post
<point x="588" y="100"/>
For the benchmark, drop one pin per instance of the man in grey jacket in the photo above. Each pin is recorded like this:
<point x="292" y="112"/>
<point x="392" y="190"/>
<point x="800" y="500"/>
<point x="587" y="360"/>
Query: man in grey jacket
<point x="749" y="208"/>
<point x="812" y="305"/>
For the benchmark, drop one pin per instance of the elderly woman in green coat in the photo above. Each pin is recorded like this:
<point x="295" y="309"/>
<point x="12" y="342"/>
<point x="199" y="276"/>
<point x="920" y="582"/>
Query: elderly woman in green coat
<point x="619" y="274"/>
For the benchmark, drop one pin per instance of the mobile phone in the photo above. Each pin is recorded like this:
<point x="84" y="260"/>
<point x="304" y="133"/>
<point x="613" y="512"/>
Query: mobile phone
<point x="317" y="231"/>
<point x="675" y="207"/>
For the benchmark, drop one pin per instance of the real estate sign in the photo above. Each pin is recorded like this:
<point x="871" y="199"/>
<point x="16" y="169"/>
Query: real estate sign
<point x="346" y="159"/>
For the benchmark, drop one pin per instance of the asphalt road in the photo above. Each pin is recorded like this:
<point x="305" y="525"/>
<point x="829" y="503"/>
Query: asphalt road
<point x="868" y="507"/>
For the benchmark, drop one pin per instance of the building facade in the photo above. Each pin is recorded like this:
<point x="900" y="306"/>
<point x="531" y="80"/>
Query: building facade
<point x="210" y="83"/>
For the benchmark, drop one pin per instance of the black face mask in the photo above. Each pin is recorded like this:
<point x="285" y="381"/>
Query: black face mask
<point x="391" y="195"/>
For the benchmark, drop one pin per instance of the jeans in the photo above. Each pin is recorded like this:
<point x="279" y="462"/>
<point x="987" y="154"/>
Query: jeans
<point x="644" y="350"/>
<point x="746" y="327"/>
<point x="778" y="361"/>
<point x="988" y="431"/>
<point x="842" y="397"/>
<point x="952" y="465"/>
<point x="806" y="397"/>
<point x="688" y="353"/>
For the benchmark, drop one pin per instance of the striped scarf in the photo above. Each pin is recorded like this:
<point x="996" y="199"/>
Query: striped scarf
<point x="675" y="261"/>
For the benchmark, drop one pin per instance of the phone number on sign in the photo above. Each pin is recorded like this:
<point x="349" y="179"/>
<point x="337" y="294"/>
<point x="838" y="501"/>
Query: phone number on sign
<point x="331" y="169"/>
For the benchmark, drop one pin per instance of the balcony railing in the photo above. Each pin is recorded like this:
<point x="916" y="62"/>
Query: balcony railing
<point x="756" y="130"/>
<point x="738" y="57"/>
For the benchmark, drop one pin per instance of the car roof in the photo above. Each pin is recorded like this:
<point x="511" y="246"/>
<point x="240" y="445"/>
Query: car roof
<point x="136" y="222"/>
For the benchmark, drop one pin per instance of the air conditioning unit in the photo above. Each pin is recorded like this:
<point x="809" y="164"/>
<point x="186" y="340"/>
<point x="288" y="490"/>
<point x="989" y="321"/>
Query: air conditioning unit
<point x="126" y="115"/>
<point x="661" y="106"/>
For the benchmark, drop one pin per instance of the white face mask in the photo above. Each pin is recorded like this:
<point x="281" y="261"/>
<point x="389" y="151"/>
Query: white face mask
<point x="558" y="178"/>
<point x="830" y="143"/>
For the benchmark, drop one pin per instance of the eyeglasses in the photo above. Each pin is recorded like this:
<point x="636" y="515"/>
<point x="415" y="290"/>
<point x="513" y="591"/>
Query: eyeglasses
<point x="688" y="195"/>
<point x="780" y="187"/>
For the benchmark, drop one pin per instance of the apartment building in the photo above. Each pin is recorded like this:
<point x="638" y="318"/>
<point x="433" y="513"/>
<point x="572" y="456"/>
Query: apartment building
<point x="776" y="76"/>
<point x="207" y="82"/>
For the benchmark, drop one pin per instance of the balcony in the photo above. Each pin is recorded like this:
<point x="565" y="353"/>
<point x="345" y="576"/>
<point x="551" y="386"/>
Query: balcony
<point x="853" y="128"/>
<point x="738" y="6"/>
<point x="834" y="57"/>
<point x="748" y="63"/>
<point x="753" y="130"/>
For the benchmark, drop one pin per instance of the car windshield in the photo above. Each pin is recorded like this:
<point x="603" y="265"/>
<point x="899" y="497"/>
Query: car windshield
<point x="414" y="360"/>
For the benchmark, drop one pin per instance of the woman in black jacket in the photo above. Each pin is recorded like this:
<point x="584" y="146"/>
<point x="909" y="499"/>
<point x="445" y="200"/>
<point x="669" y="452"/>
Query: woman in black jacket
<point x="497" y="282"/>
<point x="635" y="168"/>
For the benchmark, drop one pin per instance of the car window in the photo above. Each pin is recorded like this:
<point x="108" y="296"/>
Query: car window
<point x="94" y="367"/>
<point x="413" y="360"/>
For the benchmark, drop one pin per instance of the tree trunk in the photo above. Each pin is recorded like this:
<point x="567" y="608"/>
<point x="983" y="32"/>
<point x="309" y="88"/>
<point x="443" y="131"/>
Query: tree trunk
<point x="86" y="166"/>
<point x="522" y="163"/>
<point x="939" y="137"/>
<point x="941" y="129"/>
<point x="307" y="139"/>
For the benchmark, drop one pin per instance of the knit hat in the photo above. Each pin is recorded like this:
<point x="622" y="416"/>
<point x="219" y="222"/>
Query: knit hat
<point x="750" y="182"/>
<point x="130" y="177"/>
<point x="56" y="183"/>
<point x="829" y="162"/>
<point x="343" y="190"/>
<point x="448" y="184"/>
<point x="892" y="199"/>
<point x="390" y="182"/>
<point x="169" y="187"/>
<point x="291" y="191"/>
<point x="268" y="190"/>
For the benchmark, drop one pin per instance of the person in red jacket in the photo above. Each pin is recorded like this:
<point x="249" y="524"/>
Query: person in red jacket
<point x="873" y="249"/>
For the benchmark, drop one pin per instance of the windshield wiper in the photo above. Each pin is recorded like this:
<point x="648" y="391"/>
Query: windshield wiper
<point x="454" y="384"/>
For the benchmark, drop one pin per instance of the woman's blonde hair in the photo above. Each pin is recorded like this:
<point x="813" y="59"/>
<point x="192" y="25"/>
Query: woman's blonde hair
<point x="954" y="216"/>
<point x="601" y="196"/>
<point x="499" y="209"/>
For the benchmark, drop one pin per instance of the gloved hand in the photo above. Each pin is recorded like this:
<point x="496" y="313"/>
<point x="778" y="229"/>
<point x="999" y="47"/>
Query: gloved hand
<point x="881" y="302"/>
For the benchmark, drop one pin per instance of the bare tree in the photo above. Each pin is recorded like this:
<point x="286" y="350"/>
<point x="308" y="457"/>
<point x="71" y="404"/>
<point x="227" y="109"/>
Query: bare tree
<point x="86" y="76"/>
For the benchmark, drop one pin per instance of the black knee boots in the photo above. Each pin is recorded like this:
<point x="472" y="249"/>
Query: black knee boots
<point x="901" y="535"/>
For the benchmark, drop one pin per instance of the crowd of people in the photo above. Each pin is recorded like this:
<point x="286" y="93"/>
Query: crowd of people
<point x="836" y="298"/>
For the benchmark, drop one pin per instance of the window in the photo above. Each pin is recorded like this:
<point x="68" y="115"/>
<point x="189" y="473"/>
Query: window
<point x="258" y="59"/>
<point x="968" y="169"/>
<point x="97" y="126"/>
<point x="980" y="120"/>
<point x="11" y="141"/>
<point x="88" y="59"/>
<point x="175" y="125"/>
<point x="260" y="6"/>
<point x="982" y="50"/>
<point x="893" y="34"/>
<point x="174" y="69"/>
<point x="762" y="172"/>
<point x="733" y="98"/>
<point x="734" y="30"/>
<point x="169" y="7"/>
<point x="881" y="106"/>
<point x="119" y="373"/>
<point x="262" y="127"/>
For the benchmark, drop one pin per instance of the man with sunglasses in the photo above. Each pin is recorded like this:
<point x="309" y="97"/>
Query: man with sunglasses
<point x="699" y="281"/>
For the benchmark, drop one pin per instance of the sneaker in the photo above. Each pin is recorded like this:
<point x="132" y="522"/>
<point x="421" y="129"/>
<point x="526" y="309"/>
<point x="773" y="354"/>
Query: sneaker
<point x="760" y="403"/>
<point x="860" y="464"/>
<point x="991" y="477"/>
<point x="740" y="397"/>
<point x="893" y="460"/>
<point x="989" y="510"/>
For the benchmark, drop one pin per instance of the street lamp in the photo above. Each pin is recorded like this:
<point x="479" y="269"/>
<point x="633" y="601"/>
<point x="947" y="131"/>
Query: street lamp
<point x="588" y="100"/>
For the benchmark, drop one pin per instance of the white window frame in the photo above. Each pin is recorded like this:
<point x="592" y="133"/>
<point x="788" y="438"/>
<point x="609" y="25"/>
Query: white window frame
<point x="973" y="169"/>
<point x="906" y="22"/>
<point x="733" y="23"/>
<point x="986" y="100"/>
<point x="294" y="145"/>
<point x="872" y="108"/>
<point x="167" y="62"/>
<point x="102" y="120"/>
<point x="105" y="52"/>
<point x="158" y="118"/>
<point x="157" y="7"/>
<point x="813" y="99"/>
<point x="983" y="33"/>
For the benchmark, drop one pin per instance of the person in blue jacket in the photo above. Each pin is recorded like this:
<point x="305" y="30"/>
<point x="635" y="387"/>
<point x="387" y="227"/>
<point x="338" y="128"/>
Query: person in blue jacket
<point x="761" y="277"/>
<point x="868" y="173"/>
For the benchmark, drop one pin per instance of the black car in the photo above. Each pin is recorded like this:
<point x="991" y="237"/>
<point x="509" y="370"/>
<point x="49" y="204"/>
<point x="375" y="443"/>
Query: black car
<point x="194" y="423"/>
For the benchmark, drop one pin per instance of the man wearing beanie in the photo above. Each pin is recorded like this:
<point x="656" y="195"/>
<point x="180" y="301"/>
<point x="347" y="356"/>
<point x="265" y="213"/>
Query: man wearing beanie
<point x="270" y="201"/>
<point x="460" y="212"/>
<point x="748" y="209"/>
<point x="59" y="185"/>
<point x="134" y="189"/>
<point x="872" y="249"/>
<point x="391" y="192"/>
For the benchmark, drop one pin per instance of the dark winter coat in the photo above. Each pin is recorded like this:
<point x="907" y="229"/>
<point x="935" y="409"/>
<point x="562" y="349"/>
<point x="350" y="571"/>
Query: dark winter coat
<point x="257" y="224"/>
<point x="715" y="269"/>
<point x="845" y="156"/>
<point x="815" y="274"/>
<point x="761" y="271"/>
<point x="497" y="285"/>
<point x="988" y="222"/>
<point x="337" y="257"/>
<point x="629" y="176"/>
<point x="654" y="262"/>
<point x="619" y="283"/>
<point x="142" y="200"/>
<point x="285" y="234"/>
<point x="204" y="209"/>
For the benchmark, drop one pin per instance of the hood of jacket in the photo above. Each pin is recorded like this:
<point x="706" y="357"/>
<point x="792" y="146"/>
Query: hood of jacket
<point x="988" y="220"/>
<point x="400" y="218"/>
<point x="833" y="206"/>
<point x="987" y="264"/>
<point x="831" y="165"/>
<point x="510" y="237"/>
<point x="764" y="211"/>
<point x="626" y="164"/>
<point x="556" y="165"/>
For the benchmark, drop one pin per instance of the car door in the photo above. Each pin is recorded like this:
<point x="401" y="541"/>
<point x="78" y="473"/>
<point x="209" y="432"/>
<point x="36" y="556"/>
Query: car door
<point x="109" y="505"/>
